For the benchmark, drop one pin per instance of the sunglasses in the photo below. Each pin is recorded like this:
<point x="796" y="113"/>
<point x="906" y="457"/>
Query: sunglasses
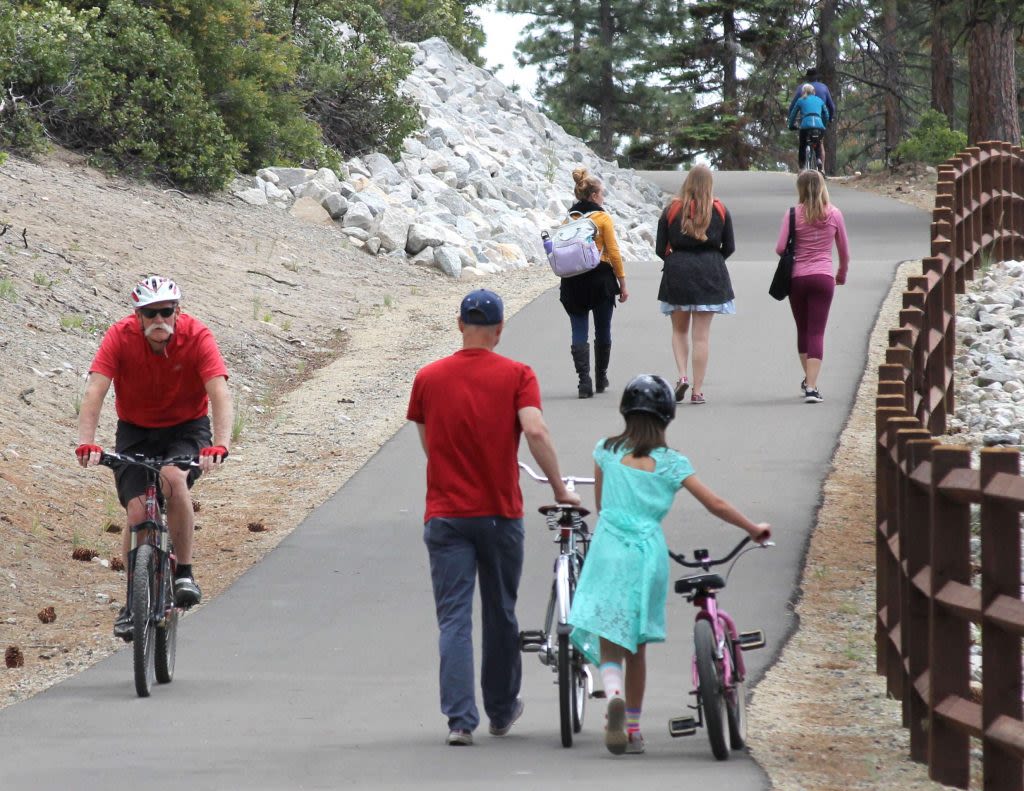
<point x="152" y="313"/>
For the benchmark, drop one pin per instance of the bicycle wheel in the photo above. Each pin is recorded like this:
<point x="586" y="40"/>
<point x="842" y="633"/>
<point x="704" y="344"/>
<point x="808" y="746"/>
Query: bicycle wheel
<point x="566" y="704"/>
<point x="143" y="578"/>
<point x="167" y="635"/>
<point x="736" y="702"/>
<point x="579" y="678"/>
<point x="709" y="680"/>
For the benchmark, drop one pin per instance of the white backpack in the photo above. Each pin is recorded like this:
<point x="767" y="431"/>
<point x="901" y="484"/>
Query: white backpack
<point x="573" y="246"/>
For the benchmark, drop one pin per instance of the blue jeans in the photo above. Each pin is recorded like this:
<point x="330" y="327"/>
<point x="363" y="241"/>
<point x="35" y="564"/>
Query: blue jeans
<point x="602" y="324"/>
<point x="461" y="550"/>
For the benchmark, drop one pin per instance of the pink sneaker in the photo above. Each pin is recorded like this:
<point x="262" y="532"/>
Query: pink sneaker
<point x="697" y="398"/>
<point x="681" y="387"/>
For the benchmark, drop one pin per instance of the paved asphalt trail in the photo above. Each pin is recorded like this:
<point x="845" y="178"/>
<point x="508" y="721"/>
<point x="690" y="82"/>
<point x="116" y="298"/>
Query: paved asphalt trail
<point x="318" y="668"/>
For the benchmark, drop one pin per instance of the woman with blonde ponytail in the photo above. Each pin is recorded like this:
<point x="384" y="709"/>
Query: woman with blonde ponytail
<point x="818" y="225"/>
<point x="593" y="291"/>
<point x="695" y="237"/>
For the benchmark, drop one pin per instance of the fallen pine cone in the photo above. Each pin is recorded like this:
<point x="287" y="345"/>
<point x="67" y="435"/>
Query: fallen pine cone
<point x="47" y="615"/>
<point x="116" y="564"/>
<point x="13" y="657"/>
<point x="256" y="527"/>
<point x="112" y="528"/>
<point x="196" y="506"/>
<point x="83" y="553"/>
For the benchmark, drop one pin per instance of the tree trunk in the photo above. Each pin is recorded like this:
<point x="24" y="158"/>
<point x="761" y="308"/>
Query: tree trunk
<point x="734" y="156"/>
<point x="992" y="85"/>
<point x="828" y="55"/>
<point x="942" y="62"/>
<point x="891" y="77"/>
<point x="606" y="121"/>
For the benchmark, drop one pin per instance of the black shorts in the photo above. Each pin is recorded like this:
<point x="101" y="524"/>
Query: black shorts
<point x="184" y="439"/>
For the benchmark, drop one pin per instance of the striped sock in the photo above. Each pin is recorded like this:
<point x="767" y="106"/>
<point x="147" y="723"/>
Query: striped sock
<point x="632" y="720"/>
<point x="611" y="678"/>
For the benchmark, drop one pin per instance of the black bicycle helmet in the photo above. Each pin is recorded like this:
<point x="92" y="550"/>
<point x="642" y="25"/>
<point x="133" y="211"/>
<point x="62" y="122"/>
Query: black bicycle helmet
<point x="649" y="393"/>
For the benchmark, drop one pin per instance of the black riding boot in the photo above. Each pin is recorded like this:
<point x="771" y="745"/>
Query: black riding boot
<point x="602" y="353"/>
<point x="581" y="358"/>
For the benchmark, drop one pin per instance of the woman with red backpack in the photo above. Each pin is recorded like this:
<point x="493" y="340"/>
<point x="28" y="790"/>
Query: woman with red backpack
<point x="695" y="237"/>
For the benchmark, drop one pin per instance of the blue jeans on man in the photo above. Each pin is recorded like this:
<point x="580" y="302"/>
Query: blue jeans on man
<point x="462" y="550"/>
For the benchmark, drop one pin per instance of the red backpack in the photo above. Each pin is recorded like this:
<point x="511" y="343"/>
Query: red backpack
<point x="673" y="212"/>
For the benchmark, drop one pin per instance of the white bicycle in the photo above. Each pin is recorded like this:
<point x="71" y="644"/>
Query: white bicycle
<point x="552" y="644"/>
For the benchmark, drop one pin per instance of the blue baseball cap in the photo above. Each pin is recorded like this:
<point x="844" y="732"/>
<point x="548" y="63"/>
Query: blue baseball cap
<point x="482" y="307"/>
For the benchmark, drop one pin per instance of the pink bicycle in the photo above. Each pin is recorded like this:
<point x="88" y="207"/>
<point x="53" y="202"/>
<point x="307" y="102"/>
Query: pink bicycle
<point x="718" y="668"/>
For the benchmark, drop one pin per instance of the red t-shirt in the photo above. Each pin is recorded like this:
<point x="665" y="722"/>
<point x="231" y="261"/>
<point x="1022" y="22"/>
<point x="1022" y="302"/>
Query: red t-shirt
<point x="157" y="390"/>
<point x="469" y="405"/>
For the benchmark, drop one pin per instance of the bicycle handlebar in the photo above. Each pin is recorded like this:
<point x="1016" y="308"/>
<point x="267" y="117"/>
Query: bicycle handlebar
<point x="113" y="460"/>
<point x="569" y="480"/>
<point x="707" y="562"/>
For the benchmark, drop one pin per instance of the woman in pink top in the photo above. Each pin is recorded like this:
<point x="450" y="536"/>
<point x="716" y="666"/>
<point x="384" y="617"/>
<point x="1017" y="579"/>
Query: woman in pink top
<point x="818" y="224"/>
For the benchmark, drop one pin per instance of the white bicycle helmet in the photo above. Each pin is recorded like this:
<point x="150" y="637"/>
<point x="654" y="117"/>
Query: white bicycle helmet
<point x="155" y="289"/>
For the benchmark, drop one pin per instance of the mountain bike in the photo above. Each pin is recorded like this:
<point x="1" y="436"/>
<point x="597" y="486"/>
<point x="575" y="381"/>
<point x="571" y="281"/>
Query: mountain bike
<point x="151" y="564"/>
<point x="718" y="669"/>
<point x="812" y="150"/>
<point x="552" y="644"/>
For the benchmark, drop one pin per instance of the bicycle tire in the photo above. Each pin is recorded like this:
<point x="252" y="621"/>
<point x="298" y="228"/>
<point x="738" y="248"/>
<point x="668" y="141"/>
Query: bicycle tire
<point x="709" y="685"/>
<point x="167" y="635"/>
<point x="144" y="629"/>
<point x="565" y="689"/>
<point x="579" y="678"/>
<point x="736" y="701"/>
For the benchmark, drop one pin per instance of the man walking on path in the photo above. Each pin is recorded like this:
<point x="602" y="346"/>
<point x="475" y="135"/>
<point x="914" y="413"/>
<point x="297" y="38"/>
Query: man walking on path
<point x="470" y="409"/>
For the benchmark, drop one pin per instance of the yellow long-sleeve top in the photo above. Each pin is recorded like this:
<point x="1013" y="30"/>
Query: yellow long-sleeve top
<point x="607" y="243"/>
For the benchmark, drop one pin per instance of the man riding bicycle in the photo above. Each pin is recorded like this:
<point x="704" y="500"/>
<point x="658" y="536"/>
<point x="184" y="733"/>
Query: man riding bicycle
<point x="167" y="372"/>
<point x="814" y="117"/>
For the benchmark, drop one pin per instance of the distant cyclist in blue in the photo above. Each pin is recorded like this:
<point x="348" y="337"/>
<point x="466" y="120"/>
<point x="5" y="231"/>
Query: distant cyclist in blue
<point x="813" y="115"/>
<point x="820" y="90"/>
<point x="619" y="605"/>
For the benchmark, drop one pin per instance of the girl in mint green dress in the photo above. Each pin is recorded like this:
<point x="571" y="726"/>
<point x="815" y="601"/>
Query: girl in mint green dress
<point x="619" y="604"/>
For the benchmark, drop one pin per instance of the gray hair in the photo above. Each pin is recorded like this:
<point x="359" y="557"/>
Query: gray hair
<point x="807" y="89"/>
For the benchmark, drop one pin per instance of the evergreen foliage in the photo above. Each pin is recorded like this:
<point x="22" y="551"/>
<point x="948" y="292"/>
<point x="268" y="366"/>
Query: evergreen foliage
<point x="350" y="69"/>
<point x="932" y="142"/>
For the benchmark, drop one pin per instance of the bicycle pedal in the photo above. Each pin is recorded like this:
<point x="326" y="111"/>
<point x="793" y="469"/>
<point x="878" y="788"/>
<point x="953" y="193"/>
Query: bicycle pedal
<point x="682" y="726"/>
<point x="752" y="639"/>
<point x="532" y="642"/>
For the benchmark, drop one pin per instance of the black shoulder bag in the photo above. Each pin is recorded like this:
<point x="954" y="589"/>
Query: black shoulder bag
<point x="784" y="271"/>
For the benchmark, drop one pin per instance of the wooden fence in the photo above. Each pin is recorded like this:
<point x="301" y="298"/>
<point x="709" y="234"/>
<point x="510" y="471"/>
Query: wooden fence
<point x="929" y="588"/>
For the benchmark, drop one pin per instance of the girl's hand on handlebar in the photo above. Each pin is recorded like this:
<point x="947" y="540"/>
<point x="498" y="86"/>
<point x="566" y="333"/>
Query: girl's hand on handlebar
<point x="763" y="533"/>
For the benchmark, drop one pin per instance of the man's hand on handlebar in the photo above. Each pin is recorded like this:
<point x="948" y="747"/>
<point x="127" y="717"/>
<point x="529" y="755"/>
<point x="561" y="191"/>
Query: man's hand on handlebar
<point x="88" y="454"/>
<point x="211" y="456"/>
<point x="565" y="497"/>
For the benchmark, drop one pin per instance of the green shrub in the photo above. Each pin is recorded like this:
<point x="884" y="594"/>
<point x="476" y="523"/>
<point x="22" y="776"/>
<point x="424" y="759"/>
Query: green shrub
<point x="932" y="142"/>
<point x="251" y="77"/>
<point x="117" y="84"/>
<point x="352" y="79"/>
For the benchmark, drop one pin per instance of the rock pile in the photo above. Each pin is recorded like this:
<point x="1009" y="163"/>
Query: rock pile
<point x="472" y="191"/>
<point x="990" y="363"/>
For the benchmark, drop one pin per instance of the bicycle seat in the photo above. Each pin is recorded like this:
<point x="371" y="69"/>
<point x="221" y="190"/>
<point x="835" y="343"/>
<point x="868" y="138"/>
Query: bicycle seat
<point x="577" y="509"/>
<point x="700" y="582"/>
<point x="815" y="134"/>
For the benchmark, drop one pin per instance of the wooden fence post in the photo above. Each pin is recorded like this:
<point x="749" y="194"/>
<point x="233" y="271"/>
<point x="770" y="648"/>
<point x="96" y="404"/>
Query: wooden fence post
<point x="885" y="526"/>
<point x="949" y="639"/>
<point x="1000" y="649"/>
<point x="914" y="539"/>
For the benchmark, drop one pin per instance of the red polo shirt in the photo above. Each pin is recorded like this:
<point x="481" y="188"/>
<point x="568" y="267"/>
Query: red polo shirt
<point x="158" y="390"/>
<point x="469" y="406"/>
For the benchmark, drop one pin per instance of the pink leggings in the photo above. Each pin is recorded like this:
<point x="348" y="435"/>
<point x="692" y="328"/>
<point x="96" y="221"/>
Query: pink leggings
<point x="810" y="297"/>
